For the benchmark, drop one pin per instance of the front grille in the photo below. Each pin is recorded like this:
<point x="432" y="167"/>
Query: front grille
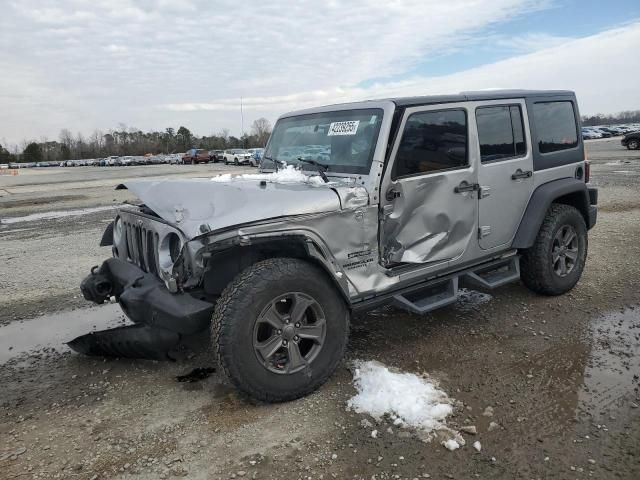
<point x="142" y="246"/>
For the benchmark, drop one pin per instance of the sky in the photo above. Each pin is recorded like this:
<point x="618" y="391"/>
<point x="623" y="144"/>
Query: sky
<point x="152" y="64"/>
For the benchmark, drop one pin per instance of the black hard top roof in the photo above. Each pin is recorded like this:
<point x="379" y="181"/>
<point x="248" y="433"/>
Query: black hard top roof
<point x="480" y="95"/>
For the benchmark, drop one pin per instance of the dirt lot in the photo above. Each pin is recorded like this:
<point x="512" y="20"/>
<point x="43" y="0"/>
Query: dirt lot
<point x="561" y="374"/>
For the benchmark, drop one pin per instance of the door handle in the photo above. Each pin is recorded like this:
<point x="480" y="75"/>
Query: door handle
<point x="519" y="174"/>
<point x="466" y="187"/>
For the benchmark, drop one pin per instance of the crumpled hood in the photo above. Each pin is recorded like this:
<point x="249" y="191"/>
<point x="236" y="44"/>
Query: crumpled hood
<point x="190" y="203"/>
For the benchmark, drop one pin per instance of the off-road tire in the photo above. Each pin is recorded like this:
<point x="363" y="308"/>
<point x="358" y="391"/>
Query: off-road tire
<point x="536" y="265"/>
<point x="633" y="144"/>
<point x="236" y="313"/>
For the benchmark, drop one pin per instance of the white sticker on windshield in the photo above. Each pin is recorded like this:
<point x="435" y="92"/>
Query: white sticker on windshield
<point x="343" y="128"/>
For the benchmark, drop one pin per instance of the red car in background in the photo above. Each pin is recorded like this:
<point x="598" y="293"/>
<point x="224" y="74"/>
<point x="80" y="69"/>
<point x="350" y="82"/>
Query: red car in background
<point x="195" y="155"/>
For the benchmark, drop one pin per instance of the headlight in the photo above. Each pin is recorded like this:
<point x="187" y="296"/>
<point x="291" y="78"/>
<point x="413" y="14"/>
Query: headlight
<point x="174" y="246"/>
<point x="169" y="250"/>
<point x="117" y="231"/>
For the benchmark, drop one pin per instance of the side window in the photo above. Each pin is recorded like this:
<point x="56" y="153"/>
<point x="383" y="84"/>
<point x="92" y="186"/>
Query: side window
<point x="500" y="132"/>
<point x="555" y="126"/>
<point x="432" y="141"/>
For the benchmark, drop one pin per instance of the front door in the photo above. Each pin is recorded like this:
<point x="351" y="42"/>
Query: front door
<point x="505" y="173"/>
<point x="429" y="203"/>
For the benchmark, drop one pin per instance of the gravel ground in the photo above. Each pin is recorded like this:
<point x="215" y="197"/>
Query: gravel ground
<point x="561" y="374"/>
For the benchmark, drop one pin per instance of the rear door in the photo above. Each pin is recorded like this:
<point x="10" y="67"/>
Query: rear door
<point x="429" y="206"/>
<point x="505" y="171"/>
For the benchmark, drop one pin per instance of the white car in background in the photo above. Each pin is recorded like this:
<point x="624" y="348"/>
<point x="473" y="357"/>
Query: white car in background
<point x="237" y="156"/>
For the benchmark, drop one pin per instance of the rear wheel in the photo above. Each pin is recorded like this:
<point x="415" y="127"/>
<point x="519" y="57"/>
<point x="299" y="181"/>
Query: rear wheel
<point x="633" y="144"/>
<point x="554" y="264"/>
<point x="235" y="162"/>
<point x="280" y="329"/>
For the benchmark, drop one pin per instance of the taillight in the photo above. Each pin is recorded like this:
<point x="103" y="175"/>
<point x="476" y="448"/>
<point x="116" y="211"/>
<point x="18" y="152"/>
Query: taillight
<point x="587" y="171"/>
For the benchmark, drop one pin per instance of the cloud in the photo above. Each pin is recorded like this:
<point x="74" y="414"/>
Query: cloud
<point x="604" y="81"/>
<point x="89" y="64"/>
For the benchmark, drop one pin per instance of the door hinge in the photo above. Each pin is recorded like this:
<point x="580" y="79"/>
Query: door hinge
<point x="484" y="231"/>
<point x="386" y="210"/>
<point x="484" y="191"/>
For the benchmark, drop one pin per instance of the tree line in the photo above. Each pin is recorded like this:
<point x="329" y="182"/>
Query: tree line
<point x="132" y="141"/>
<point x="629" y="116"/>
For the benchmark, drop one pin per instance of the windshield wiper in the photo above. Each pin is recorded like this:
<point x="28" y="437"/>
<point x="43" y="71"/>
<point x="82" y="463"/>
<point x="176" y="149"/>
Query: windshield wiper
<point x="322" y="167"/>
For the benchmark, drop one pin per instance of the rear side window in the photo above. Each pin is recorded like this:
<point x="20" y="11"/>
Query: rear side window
<point x="500" y="132"/>
<point x="433" y="141"/>
<point x="555" y="126"/>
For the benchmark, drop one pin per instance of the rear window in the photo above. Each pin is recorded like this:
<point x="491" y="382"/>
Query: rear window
<point x="500" y="132"/>
<point x="555" y="126"/>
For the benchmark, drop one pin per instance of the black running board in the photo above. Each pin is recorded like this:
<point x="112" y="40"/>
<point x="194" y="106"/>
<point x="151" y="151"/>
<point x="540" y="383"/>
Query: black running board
<point x="439" y="292"/>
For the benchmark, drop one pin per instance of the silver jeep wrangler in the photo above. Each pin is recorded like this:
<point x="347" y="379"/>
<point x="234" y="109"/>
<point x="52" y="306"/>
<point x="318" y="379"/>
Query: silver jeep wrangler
<point x="399" y="201"/>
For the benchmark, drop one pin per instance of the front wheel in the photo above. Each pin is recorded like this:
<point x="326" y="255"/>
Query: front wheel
<point x="280" y="329"/>
<point x="633" y="144"/>
<point x="554" y="264"/>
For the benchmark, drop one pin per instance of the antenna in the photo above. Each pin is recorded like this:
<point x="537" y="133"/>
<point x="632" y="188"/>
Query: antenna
<point x="242" y="123"/>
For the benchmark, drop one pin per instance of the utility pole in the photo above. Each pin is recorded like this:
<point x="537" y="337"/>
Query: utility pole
<point x="242" y="124"/>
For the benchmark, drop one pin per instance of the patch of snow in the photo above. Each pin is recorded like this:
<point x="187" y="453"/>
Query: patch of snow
<point x="477" y="446"/>
<point x="374" y="434"/>
<point x="56" y="214"/>
<point x="288" y="174"/>
<point x="451" y="445"/>
<point x="467" y="299"/>
<point x="409" y="400"/>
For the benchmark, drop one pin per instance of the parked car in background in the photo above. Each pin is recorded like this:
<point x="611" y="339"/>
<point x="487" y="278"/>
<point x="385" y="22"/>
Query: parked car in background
<point x="215" y="156"/>
<point x="195" y="155"/>
<point x="631" y="141"/>
<point x="256" y="156"/>
<point x="173" y="158"/>
<point x="237" y="156"/>
<point x="604" y="133"/>
<point x="588" y="134"/>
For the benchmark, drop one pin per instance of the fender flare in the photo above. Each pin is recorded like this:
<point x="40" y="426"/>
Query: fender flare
<point x="541" y="200"/>
<point x="315" y="248"/>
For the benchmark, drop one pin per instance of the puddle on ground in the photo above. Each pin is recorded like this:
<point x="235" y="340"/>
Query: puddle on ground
<point x="53" y="330"/>
<point x="612" y="375"/>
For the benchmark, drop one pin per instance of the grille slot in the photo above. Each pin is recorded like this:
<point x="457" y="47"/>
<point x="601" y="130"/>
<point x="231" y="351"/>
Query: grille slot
<point x="142" y="247"/>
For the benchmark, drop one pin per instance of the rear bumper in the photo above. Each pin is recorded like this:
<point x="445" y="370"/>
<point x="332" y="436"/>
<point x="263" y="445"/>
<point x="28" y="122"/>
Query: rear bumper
<point x="145" y="299"/>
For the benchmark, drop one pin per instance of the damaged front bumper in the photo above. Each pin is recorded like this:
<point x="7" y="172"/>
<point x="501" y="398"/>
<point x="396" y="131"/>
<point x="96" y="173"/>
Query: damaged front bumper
<point x="161" y="317"/>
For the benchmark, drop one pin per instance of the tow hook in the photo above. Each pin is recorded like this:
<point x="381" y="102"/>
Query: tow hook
<point x="96" y="287"/>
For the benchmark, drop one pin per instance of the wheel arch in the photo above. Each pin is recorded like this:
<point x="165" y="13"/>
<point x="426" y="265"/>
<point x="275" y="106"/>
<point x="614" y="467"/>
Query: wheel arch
<point x="224" y="265"/>
<point x="566" y="191"/>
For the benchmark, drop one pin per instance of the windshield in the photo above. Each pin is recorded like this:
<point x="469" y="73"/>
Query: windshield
<point x="343" y="140"/>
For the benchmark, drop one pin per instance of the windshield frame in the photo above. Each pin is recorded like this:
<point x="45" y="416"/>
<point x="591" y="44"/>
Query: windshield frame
<point x="333" y="167"/>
